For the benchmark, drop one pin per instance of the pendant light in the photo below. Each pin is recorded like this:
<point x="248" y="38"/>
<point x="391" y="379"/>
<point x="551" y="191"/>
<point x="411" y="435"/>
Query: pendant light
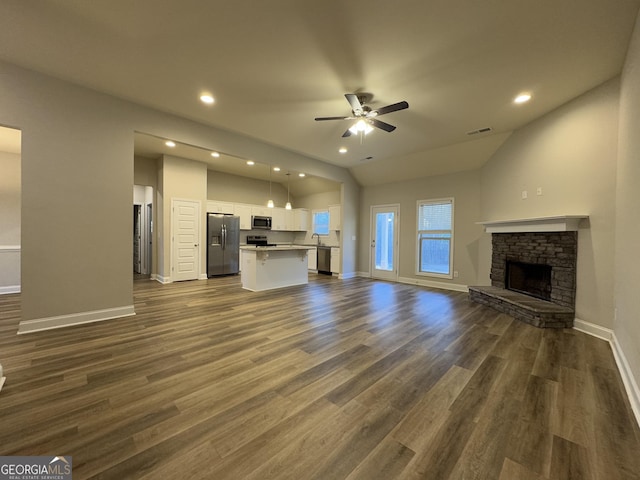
<point x="270" y="201"/>
<point x="288" y="205"/>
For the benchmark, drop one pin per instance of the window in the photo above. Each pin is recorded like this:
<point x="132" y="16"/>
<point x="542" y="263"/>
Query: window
<point x="321" y="222"/>
<point x="435" y="238"/>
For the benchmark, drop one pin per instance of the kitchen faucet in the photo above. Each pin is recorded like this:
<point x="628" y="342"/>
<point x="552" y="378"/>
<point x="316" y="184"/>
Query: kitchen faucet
<point x="316" y="235"/>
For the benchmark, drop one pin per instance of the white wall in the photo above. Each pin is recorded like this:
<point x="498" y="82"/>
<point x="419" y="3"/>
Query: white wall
<point x="627" y="266"/>
<point x="571" y="154"/>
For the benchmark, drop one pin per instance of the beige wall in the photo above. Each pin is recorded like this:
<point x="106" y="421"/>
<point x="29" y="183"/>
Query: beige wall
<point x="233" y="188"/>
<point x="571" y="154"/>
<point x="627" y="267"/>
<point x="182" y="180"/>
<point x="145" y="172"/>
<point x="77" y="184"/>
<point x="463" y="187"/>
<point x="77" y="178"/>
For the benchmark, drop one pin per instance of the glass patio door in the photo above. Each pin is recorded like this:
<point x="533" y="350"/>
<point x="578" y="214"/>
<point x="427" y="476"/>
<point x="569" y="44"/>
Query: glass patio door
<point x="384" y="242"/>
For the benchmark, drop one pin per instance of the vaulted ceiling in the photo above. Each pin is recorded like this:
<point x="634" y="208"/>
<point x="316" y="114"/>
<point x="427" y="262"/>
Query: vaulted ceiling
<point x="273" y="66"/>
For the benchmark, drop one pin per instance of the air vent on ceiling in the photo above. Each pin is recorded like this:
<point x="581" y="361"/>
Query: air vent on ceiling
<point x="480" y="130"/>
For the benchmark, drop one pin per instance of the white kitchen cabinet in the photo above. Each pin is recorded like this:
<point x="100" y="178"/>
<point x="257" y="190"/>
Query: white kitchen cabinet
<point x="261" y="211"/>
<point x="312" y="259"/>
<point x="334" y="217"/>
<point x="288" y="220"/>
<point x="215" y="206"/>
<point x="300" y="219"/>
<point x="244" y="212"/>
<point x="335" y="260"/>
<point x="296" y="220"/>
<point x="278" y="218"/>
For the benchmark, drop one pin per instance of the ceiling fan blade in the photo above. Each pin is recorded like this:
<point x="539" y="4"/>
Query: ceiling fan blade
<point x="352" y="98"/>
<point x="346" y="134"/>
<point x="382" y="125"/>
<point x="332" y="118"/>
<point x="392" y="108"/>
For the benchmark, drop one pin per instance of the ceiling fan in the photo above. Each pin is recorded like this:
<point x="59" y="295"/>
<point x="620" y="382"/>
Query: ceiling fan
<point x="365" y="116"/>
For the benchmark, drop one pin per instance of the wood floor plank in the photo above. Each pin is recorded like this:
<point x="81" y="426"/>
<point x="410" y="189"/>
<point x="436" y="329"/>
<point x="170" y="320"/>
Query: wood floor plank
<point x="353" y="378"/>
<point x="532" y="438"/>
<point x="570" y="461"/>
<point x="484" y="453"/>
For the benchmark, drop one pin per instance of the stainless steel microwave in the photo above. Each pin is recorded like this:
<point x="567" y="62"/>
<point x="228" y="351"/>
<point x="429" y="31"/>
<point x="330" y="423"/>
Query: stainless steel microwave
<point x="258" y="222"/>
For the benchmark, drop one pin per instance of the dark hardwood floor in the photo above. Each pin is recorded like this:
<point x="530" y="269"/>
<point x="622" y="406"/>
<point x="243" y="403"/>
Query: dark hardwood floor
<point x="338" y="379"/>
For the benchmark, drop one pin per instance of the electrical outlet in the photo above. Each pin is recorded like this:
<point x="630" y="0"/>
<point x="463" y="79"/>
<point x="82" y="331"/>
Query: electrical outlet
<point x="539" y="191"/>
<point x="524" y="194"/>
<point x="455" y="274"/>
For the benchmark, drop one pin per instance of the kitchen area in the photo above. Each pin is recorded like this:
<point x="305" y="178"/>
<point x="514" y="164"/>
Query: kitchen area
<point x="236" y="187"/>
<point x="271" y="247"/>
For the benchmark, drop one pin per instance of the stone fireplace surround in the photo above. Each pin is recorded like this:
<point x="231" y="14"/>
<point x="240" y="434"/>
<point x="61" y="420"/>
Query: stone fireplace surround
<point x="557" y="249"/>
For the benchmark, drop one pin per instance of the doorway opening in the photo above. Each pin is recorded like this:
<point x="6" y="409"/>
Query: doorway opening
<point x="10" y="209"/>
<point x="142" y="231"/>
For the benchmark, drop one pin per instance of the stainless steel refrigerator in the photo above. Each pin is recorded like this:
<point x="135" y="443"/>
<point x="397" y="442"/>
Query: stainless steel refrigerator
<point x="223" y="244"/>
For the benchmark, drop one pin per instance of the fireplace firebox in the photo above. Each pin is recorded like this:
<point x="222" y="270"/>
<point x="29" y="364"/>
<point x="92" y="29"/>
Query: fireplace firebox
<point x="529" y="278"/>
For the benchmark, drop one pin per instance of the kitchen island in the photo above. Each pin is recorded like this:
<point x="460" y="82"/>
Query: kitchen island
<point x="266" y="268"/>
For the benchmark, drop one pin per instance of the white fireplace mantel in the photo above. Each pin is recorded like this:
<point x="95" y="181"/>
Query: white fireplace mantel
<point x="561" y="223"/>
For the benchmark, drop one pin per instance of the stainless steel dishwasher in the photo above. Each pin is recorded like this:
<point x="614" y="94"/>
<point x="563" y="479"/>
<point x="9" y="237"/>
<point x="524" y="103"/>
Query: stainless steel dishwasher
<point x="324" y="260"/>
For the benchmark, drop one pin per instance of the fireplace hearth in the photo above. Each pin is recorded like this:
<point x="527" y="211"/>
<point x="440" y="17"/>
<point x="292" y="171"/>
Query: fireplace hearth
<point x="533" y="277"/>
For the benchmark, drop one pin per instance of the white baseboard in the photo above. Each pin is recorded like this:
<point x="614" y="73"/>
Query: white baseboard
<point x="9" y="289"/>
<point x="203" y="276"/>
<point x="456" y="287"/>
<point x="162" y="279"/>
<point x="629" y="381"/>
<point x="343" y="276"/>
<point x="39" y="324"/>
<point x="630" y="384"/>
<point x="593" y="329"/>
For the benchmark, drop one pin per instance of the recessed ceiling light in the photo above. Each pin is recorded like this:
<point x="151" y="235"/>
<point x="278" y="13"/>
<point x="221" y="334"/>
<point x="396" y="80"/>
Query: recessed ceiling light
<point x="215" y="154"/>
<point x="302" y="174"/>
<point x="342" y="150"/>
<point x="250" y="162"/>
<point x="206" y="98"/>
<point x="276" y="169"/>
<point x="169" y="143"/>
<point x="522" y="98"/>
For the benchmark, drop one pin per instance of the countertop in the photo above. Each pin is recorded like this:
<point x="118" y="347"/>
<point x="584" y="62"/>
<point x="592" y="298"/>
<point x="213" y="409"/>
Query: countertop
<point x="274" y="248"/>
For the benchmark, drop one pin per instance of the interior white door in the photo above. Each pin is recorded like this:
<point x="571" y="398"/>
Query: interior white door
<point x="185" y="235"/>
<point x="384" y="241"/>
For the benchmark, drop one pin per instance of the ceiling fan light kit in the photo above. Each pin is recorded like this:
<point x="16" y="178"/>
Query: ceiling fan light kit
<point x="365" y="117"/>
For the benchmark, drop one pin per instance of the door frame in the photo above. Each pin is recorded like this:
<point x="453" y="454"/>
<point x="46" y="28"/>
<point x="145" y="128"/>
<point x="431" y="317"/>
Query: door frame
<point x="373" y="209"/>
<point x="198" y="257"/>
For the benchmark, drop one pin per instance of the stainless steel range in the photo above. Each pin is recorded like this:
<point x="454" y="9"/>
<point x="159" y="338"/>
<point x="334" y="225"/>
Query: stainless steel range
<point x="259" y="241"/>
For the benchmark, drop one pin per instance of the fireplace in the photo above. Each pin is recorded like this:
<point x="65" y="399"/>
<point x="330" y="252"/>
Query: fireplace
<point x="529" y="278"/>
<point x="533" y="277"/>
